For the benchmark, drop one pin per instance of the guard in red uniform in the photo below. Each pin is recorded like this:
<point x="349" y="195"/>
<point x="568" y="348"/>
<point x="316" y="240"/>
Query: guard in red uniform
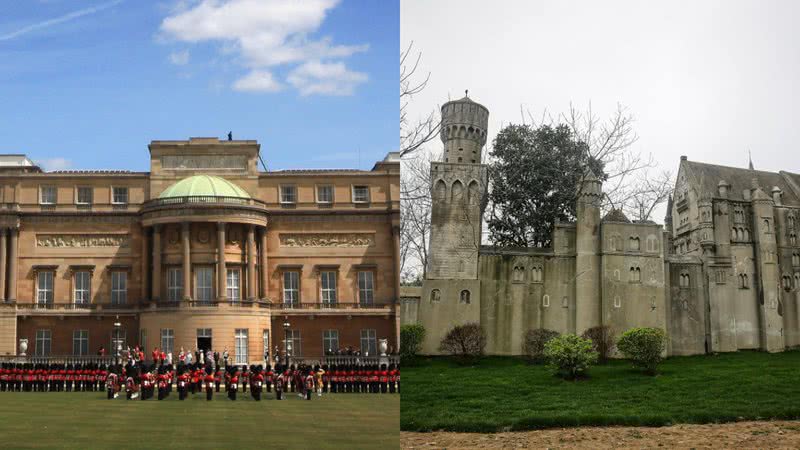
<point x="112" y="386"/>
<point x="233" y="386"/>
<point x="269" y="378"/>
<point x="244" y="379"/>
<point x="183" y="382"/>
<point x="256" y="382"/>
<point x="208" y="381"/>
<point x="309" y="383"/>
<point x="279" y="380"/>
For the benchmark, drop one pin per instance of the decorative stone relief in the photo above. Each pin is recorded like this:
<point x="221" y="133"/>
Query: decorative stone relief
<point x="328" y="240"/>
<point x="82" y="240"/>
<point x="203" y="236"/>
<point x="230" y="162"/>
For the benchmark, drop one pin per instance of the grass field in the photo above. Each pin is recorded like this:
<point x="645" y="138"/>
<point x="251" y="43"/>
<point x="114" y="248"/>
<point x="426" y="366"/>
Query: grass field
<point x="501" y="394"/>
<point x="87" y="420"/>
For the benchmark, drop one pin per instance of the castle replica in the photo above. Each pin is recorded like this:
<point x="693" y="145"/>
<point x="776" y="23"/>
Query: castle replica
<point x="204" y="251"/>
<point x="723" y="275"/>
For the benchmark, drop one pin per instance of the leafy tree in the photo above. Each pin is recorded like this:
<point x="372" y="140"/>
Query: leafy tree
<point x="569" y="355"/>
<point x="644" y="346"/>
<point x="535" y="175"/>
<point x="411" y="337"/>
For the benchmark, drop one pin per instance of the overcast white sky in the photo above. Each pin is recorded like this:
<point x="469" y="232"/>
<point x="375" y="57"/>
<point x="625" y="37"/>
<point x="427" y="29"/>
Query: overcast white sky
<point x="704" y="79"/>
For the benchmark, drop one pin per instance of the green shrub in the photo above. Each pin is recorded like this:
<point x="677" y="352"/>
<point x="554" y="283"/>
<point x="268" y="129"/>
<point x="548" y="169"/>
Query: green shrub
<point x="411" y="337"/>
<point x="643" y="346"/>
<point x="602" y="338"/>
<point x="464" y="341"/>
<point x="569" y="355"/>
<point x="534" y="342"/>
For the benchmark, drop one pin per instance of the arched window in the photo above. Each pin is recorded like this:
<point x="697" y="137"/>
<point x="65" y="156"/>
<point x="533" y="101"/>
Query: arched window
<point x="436" y="296"/>
<point x="617" y="302"/>
<point x="537" y="274"/>
<point x="787" y="283"/>
<point x="519" y="274"/>
<point x="796" y="259"/>
<point x="744" y="282"/>
<point x="635" y="275"/>
<point x="766" y="226"/>
<point x="797" y="280"/>
<point x="457" y="191"/>
<point x="635" y="244"/>
<point x="473" y="192"/>
<point x="792" y="239"/>
<point x="440" y="191"/>
<point x="464" y="298"/>
<point x="746" y="234"/>
<point x="546" y="301"/>
<point x="684" y="280"/>
<point x="564" y="302"/>
<point x="615" y="243"/>
<point x="616" y="274"/>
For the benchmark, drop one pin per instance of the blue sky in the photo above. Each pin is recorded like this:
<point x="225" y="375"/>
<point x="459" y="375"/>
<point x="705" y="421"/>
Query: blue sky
<point x="87" y="84"/>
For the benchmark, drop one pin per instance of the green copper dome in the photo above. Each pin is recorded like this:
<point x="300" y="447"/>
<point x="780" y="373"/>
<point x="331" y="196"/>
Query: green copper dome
<point x="204" y="185"/>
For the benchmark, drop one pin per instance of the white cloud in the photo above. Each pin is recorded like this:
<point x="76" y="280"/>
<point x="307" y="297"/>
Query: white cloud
<point x="261" y="34"/>
<point x="179" y="58"/>
<point x="54" y="164"/>
<point x="257" y="81"/>
<point x="57" y="20"/>
<point x="315" y="77"/>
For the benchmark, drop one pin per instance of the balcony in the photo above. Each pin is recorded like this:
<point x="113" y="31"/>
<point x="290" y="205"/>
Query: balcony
<point x="337" y="308"/>
<point x="203" y="200"/>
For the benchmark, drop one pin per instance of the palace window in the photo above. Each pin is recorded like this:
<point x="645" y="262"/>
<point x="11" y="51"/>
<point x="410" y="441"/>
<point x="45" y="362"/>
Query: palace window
<point x="291" y="288"/>
<point x="119" y="288"/>
<point x="288" y="194"/>
<point x="328" y="287"/>
<point x="118" y="339"/>
<point x="293" y="343"/>
<point x="232" y="288"/>
<point x="80" y="342"/>
<point x="436" y="296"/>
<point x="204" y="286"/>
<point x="85" y="195"/>
<point x="265" y="337"/>
<point x="119" y="195"/>
<point x="43" y="341"/>
<point x="366" y="288"/>
<point x="47" y="195"/>
<point x="635" y="275"/>
<point x="744" y="282"/>
<point x="241" y="345"/>
<point x="330" y="341"/>
<point x="766" y="226"/>
<point x="464" y="297"/>
<point x="369" y="343"/>
<point x="360" y="194"/>
<point x="174" y="284"/>
<point x="82" y="280"/>
<point x="44" y="287"/>
<point x="325" y="194"/>
<point x="167" y="340"/>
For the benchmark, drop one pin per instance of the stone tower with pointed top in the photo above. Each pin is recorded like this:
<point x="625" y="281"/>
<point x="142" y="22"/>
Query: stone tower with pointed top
<point x="766" y="259"/>
<point x="588" y="301"/>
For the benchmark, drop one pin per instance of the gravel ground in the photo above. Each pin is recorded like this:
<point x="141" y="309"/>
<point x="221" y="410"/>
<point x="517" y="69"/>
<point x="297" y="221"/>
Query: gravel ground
<point x="761" y="435"/>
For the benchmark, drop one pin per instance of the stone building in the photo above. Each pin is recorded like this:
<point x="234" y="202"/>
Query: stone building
<point x="722" y="275"/>
<point x="204" y="250"/>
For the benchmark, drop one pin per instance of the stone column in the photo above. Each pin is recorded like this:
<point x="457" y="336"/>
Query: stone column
<point x="156" y="291"/>
<point x="3" y="234"/>
<point x="221" y="271"/>
<point x="12" y="264"/>
<point x="264" y="264"/>
<point x="251" y="262"/>
<point x="145" y="264"/>
<point x="187" y="261"/>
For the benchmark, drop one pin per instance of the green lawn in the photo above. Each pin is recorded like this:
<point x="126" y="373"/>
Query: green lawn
<point x="509" y="394"/>
<point x="87" y="420"/>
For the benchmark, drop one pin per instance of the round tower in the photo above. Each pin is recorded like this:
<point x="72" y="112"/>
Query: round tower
<point x="463" y="130"/>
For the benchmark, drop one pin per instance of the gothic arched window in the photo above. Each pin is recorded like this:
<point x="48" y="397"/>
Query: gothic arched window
<point x="436" y="296"/>
<point x="464" y="298"/>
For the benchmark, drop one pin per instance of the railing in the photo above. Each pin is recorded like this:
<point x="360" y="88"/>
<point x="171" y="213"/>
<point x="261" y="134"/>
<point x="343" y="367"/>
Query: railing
<point x="346" y="360"/>
<point x="68" y="359"/>
<point x="93" y="307"/>
<point x="324" y="306"/>
<point x="203" y="199"/>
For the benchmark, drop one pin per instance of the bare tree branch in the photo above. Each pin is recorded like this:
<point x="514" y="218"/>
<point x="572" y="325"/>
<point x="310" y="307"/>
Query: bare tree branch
<point x="414" y="133"/>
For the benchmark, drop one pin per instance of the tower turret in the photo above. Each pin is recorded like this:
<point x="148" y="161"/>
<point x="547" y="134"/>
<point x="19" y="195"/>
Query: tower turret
<point x="463" y="130"/>
<point x="587" y="259"/>
<point x="766" y="253"/>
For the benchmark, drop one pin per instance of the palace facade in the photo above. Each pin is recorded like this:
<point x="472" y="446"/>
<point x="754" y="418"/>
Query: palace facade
<point x="723" y="274"/>
<point x="203" y="251"/>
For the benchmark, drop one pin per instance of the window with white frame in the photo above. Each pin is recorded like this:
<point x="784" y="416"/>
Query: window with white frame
<point x="119" y="288"/>
<point x="82" y="280"/>
<point x="85" y="195"/>
<point x="369" y="343"/>
<point x="174" y="284"/>
<point x="288" y="194"/>
<point x="232" y="285"/>
<point x="265" y="338"/>
<point x="47" y="195"/>
<point x="167" y="340"/>
<point x="119" y="195"/>
<point x="327" y="280"/>
<point x="360" y="194"/>
<point x="204" y="284"/>
<point x="291" y="287"/>
<point x="366" y="288"/>
<point x="43" y="341"/>
<point x="293" y="343"/>
<point x="325" y="194"/>
<point x="241" y="345"/>
<point x="80" y="342"/>
<point x="330" y="341"/>
<point x="118" y="339"/>
<point x="44" y="287"/>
